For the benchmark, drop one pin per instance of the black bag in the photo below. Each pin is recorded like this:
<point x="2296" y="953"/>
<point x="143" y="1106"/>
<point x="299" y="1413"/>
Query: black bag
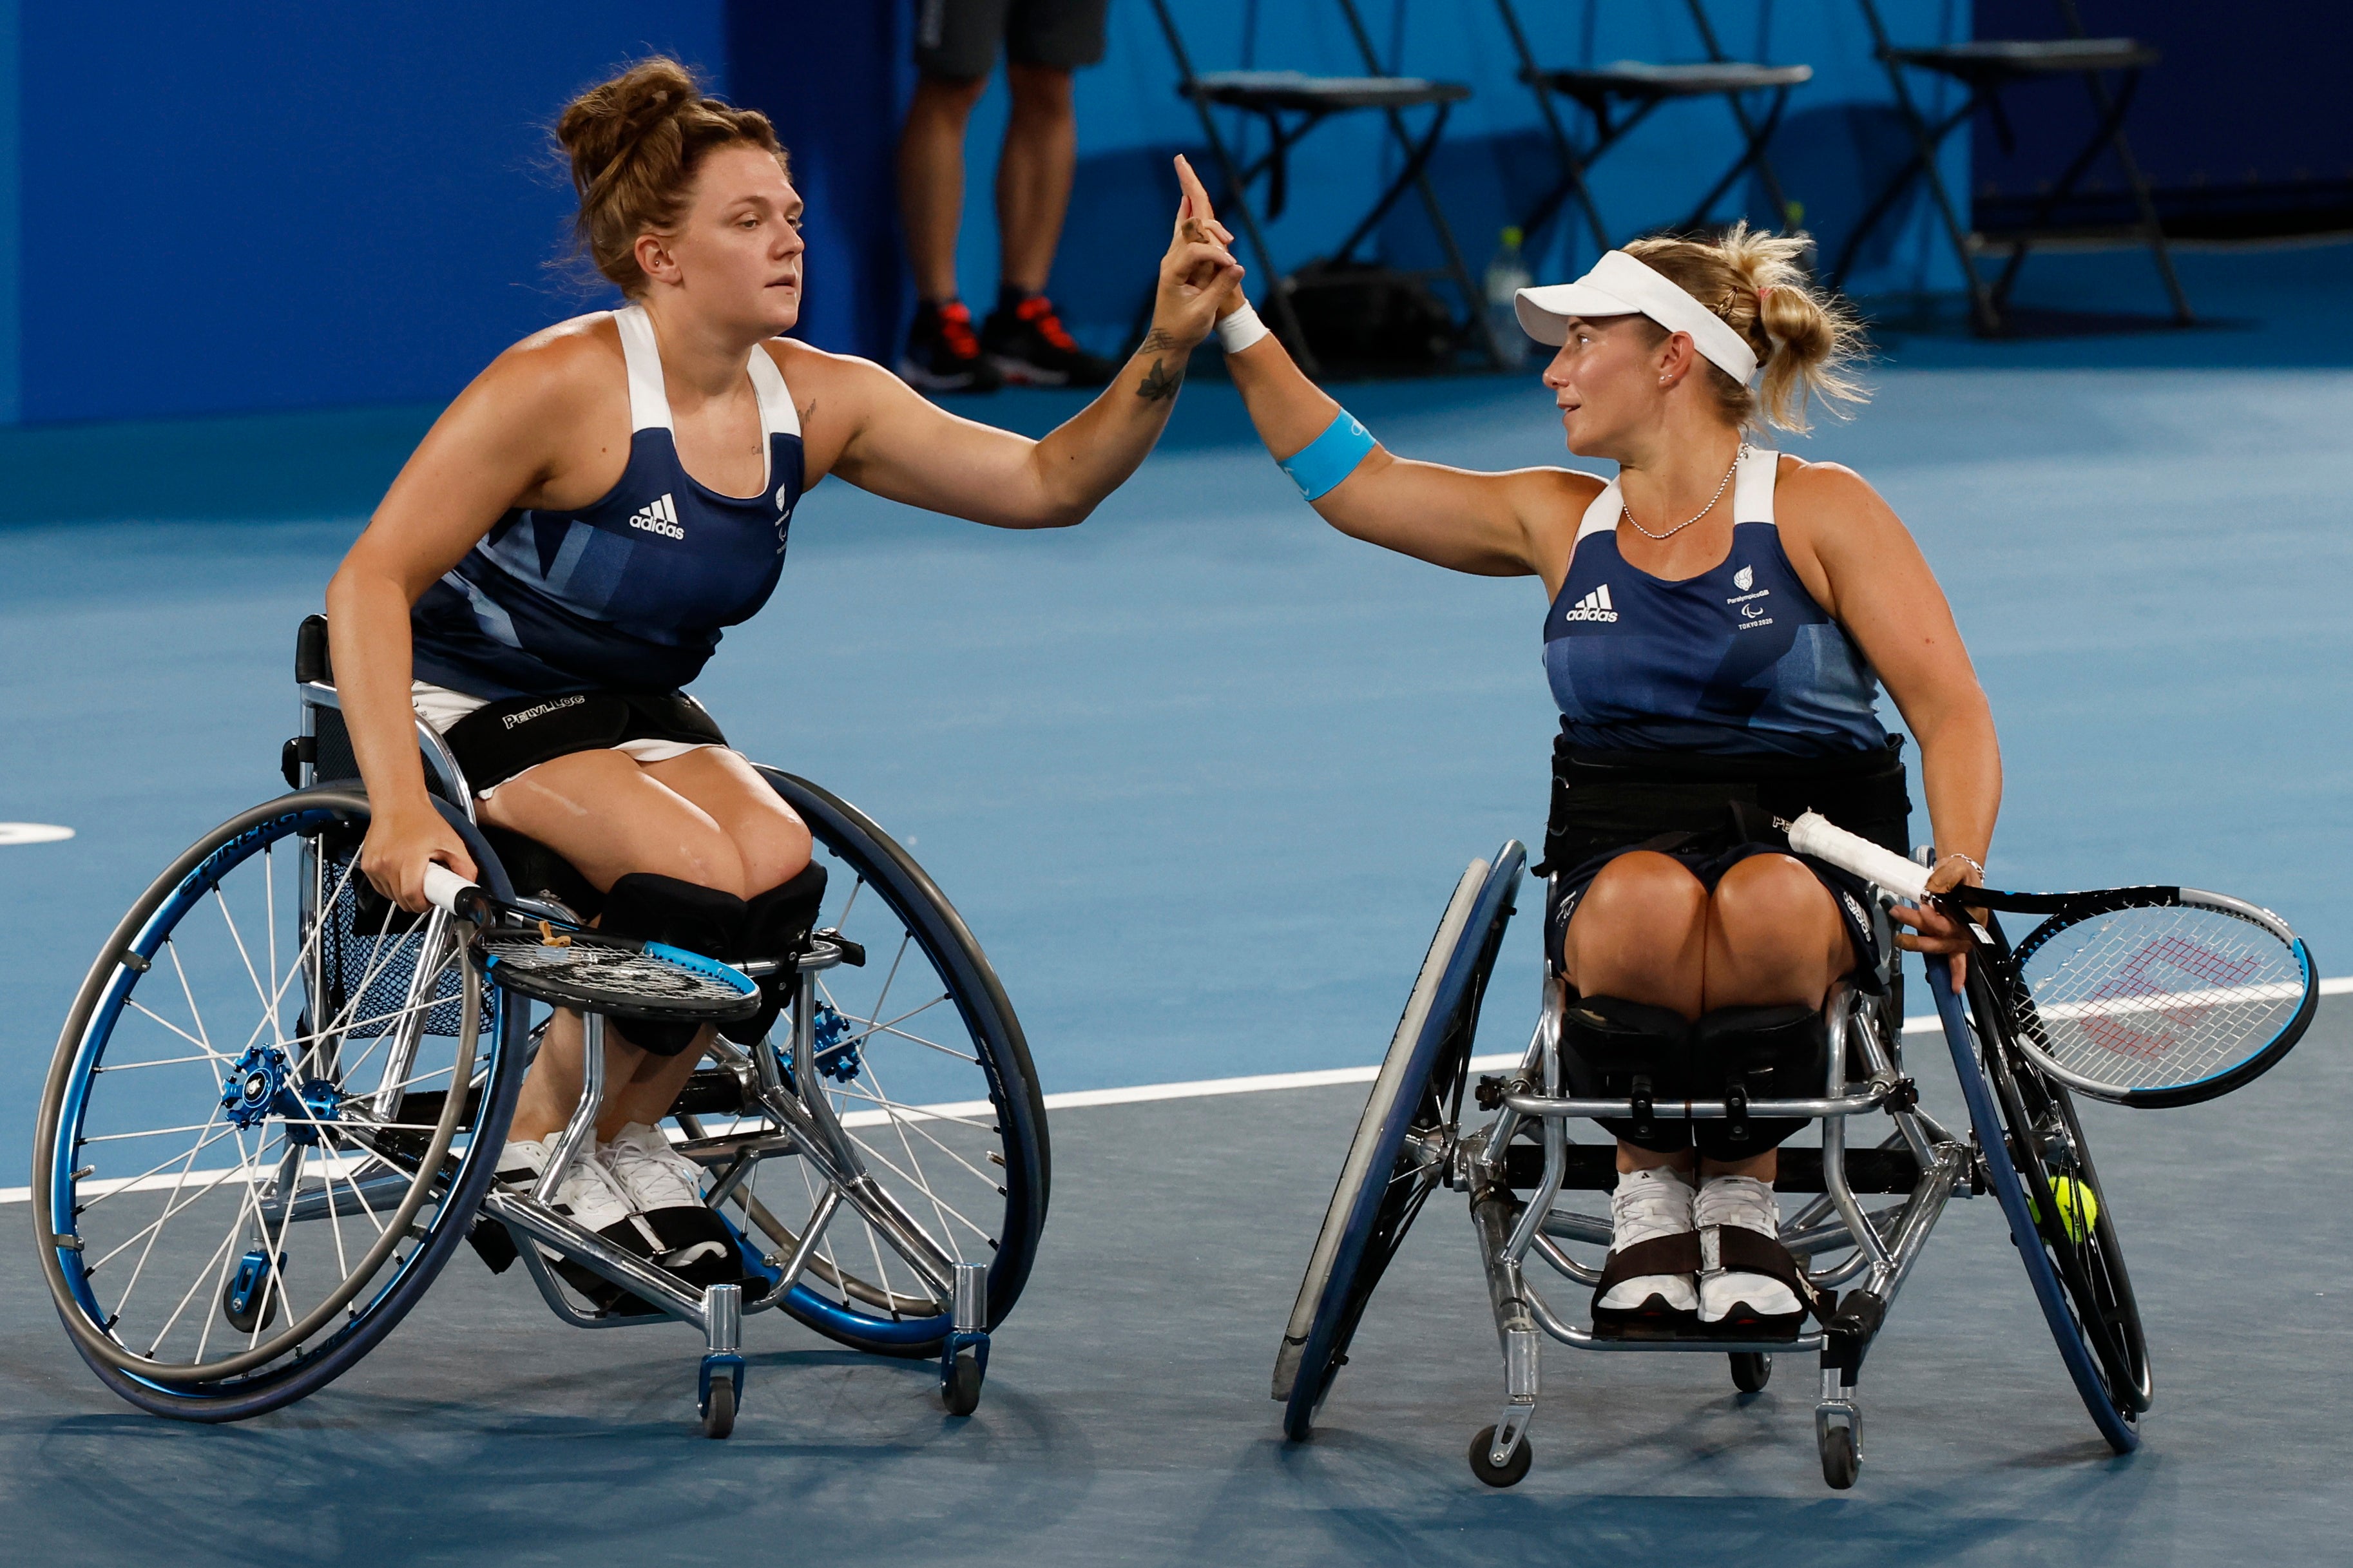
<point x="1362" y="317"/>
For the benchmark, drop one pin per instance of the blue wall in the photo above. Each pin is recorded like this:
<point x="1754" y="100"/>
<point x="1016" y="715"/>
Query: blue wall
<point x="263" y="204"/>
<point x="249" y="204"/>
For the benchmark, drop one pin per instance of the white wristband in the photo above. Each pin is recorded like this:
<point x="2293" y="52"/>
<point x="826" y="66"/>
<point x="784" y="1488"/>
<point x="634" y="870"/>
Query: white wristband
<point x="1241" y="330"/>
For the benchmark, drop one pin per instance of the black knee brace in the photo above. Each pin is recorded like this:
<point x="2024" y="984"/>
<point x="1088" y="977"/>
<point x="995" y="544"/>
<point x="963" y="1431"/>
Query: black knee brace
<point x="1755" y="1053"/>
<point x="682" y="915"/>
<point x="1616" y="1049"/>
<point x="776" y="926"/>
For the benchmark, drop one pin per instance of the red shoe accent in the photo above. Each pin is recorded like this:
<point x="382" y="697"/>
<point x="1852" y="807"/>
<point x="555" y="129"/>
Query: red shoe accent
<point x="956" y="331"/>
<point x="1039" y="311"/>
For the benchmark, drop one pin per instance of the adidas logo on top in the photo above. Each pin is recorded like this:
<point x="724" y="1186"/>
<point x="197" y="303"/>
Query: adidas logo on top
<point x="658" y="517"/>
<point x="1594" y="606"/>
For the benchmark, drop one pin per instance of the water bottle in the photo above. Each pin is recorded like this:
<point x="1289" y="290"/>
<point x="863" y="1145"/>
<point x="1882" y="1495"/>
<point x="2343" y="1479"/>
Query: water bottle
<point x="1507" y="276"/>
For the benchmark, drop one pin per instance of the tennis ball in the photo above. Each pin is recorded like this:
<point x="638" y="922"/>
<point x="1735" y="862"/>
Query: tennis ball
<point x="2079" y="1206"/>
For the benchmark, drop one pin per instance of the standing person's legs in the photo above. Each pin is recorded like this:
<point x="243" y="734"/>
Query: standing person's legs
<point x="956" y="42"/>
<point x="1046" y="42"/>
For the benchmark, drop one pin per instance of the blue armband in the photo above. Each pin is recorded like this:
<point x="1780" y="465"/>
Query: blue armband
<point x="1332" y="457"/>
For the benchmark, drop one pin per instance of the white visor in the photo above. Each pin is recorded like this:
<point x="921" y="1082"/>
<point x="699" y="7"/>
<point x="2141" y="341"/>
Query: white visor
<point x="1621" y="284"/>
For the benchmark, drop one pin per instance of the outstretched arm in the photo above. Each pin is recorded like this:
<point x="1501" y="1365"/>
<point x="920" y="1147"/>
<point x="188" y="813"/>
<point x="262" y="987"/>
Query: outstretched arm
<point x="1496" y="525"/>
<point x="899" y="444"/>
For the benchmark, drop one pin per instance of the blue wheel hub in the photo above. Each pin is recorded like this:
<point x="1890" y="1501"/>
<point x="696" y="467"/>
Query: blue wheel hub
<point x="836" y="1052"/>
<point x="262" y="1084"/>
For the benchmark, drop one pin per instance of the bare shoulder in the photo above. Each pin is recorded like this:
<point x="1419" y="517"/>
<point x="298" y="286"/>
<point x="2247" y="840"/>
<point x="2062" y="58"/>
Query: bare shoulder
<point x="1553" y="501"/>
<point x="567" y="366"/>
<point x="1827" y="505"/>
<point x="812" y="372"/>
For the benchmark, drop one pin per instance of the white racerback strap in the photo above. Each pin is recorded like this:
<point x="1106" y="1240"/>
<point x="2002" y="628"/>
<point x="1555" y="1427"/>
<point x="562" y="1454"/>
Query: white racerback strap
<point x="648" y="404"/>
<point x="1752" y="494"/>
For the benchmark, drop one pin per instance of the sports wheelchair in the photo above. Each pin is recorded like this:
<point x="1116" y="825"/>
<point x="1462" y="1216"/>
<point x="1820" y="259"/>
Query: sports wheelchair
<point x="279" y="1105"/>
<point x="2024" y="1145"/>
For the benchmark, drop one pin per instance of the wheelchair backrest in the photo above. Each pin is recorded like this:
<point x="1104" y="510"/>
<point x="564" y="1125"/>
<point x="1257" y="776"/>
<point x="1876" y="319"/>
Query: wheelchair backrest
<point x="321" y="751"/>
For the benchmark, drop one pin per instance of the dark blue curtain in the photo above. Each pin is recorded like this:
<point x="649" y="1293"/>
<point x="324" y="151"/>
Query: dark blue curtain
<point x="834" y="76"/>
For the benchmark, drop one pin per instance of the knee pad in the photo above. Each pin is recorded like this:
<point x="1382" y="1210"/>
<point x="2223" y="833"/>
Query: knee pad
<point x="1615" y="1049"/>
<point x="776" y="925"/>
<point x="680" y="914"/>
<point x="1755" y="1053"/>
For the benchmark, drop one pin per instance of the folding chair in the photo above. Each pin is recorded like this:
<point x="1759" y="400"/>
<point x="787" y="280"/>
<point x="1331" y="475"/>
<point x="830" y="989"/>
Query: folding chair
<point x="1621" y="95"/>
<point x="1293" y="103"/>
<point x="1985" y="66"/>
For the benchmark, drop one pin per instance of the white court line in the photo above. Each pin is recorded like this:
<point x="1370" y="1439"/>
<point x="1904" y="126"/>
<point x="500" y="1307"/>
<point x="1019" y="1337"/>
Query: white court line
<point x="33" y="833"/>
<point x="1200" y="1089"/>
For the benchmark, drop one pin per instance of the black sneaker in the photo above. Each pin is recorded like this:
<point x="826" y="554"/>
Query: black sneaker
<point x="1026" y="341"/>
<point x="942" y="355"/>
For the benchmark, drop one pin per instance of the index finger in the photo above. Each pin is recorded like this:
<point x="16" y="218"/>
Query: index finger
<point x="1197" y="199"/>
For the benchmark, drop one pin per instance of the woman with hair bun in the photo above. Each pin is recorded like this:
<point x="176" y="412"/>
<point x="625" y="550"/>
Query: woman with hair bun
<point x="1721" y="619"/>
<point x="558" y="559"/>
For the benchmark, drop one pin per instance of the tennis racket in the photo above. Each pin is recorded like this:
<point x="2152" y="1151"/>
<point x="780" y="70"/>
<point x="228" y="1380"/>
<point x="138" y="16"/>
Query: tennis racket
<point x="2143" y="996"/>
<point x="574" y="966"/>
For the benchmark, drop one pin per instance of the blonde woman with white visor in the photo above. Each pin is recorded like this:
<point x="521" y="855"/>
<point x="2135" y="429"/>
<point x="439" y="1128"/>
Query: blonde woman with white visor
<point x="1722" y="617"/>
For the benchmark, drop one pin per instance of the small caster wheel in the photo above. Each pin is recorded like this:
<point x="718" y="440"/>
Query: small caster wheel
<point x="718" y="1410"/>
<point x="719" y="1391"/>
<point x="960" y="1381"/>
<point x="1841" y="1449"/>
<point x="1751" y="1371"/>
<point x="1511" y="1472"/>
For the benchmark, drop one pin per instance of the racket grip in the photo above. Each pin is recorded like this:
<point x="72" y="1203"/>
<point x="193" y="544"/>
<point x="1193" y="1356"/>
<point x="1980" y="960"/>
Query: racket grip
<point x="1816" y="834"/>
<point x="445" y="889"/>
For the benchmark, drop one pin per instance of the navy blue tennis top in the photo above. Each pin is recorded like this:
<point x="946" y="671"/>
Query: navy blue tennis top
<point x="1739" y="661"/>
<point x="630" y="594"/>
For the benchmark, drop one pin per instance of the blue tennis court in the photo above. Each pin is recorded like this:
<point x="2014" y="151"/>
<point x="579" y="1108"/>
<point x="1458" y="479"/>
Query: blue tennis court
<point x="1201" y="773"/>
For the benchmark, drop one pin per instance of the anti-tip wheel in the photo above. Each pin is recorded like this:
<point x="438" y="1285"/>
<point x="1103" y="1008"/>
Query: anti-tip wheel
<point x="1512" y="1472"/>
<point x="1842" y="1454"/>
<point x="960" y="1386"/>
<point x="719" y="1409"/>
<point x="1751" y="1371"/>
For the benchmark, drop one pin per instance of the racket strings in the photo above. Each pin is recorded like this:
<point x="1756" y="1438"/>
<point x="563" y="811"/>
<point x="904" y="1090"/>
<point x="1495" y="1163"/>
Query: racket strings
<point x="2159" y="997"/>
<point x="582" y="965"/>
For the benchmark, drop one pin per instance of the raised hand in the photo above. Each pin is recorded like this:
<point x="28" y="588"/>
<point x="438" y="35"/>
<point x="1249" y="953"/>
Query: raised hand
<point x="1198" y="277"/>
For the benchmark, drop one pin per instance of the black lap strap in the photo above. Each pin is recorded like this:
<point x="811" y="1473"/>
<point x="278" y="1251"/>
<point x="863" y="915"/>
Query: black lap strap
<point x="1740" y="1250"/>
<point x="1660" y="1255"/>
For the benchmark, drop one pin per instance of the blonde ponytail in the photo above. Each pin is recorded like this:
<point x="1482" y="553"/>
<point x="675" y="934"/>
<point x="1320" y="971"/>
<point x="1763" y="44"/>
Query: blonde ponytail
<point x="1808" y="341"/>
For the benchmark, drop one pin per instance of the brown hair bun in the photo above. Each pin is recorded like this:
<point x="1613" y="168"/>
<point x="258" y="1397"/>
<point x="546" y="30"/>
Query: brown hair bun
<point x="633" y="144"/>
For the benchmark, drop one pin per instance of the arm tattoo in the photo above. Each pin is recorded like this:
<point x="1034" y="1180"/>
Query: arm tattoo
<point x="1160" y="382"/>
<point x="1156" y="340"/>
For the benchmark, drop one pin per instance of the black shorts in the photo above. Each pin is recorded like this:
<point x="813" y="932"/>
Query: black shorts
<point x="1865" y="927"/>
<point x="494" y="743"/>
<point x="956" y="40"/>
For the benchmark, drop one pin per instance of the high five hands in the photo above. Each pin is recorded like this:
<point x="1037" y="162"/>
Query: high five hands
<point x="1198" y="277"/>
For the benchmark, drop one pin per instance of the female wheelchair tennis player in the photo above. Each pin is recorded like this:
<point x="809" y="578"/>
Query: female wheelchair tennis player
<point x="510" y="639"/>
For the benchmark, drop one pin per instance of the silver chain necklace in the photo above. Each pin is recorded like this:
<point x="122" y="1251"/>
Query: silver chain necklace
<point x="1694" y="517"/>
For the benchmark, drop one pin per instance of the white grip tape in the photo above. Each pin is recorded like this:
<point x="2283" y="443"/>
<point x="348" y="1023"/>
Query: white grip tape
<point x="1816" y="834"/>
<point x="444" y="887"/>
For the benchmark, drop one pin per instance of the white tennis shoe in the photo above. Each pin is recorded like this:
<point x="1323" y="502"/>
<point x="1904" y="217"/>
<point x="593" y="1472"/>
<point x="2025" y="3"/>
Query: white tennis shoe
<point x="1748" y="1204"/>
<point x="656" y="1176"/>
<point x="1647" y="1205"/>
<point x="587" y="1196"/>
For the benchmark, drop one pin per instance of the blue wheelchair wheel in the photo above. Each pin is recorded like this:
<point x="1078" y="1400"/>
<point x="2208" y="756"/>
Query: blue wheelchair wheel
<point x="926" y="1065"/>
<point x="1384" y="1181"/>
<point x="257" y="1141"/>
<point x="2029" y="1139"/>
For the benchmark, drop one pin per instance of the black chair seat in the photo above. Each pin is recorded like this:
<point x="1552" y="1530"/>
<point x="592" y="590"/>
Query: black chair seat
<point x="2001" y="59"/>
<point x="1260" y="91"/>
<point x="1635" y="79"/>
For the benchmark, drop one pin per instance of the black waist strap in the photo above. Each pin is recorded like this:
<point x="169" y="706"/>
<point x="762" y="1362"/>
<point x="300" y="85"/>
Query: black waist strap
<point x="1605" y="801"/>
